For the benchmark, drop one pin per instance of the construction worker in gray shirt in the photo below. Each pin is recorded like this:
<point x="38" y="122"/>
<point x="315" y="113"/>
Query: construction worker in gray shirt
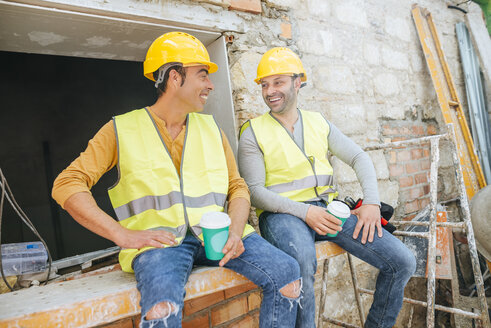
<point x="283" y="157"/>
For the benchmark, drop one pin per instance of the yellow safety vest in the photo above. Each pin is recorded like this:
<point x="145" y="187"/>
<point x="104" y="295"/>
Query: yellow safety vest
<point x="150" y="194"/>
<point x="291" y="172"/>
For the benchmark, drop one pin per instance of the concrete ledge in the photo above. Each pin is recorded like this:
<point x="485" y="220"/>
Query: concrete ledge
<point x="109" y="296"/>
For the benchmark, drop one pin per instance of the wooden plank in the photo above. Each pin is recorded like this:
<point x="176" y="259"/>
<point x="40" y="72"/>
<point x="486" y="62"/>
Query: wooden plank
<point x="326" y="249"/>
<point x="446" y="95"/>
<point x="444" y="249"/>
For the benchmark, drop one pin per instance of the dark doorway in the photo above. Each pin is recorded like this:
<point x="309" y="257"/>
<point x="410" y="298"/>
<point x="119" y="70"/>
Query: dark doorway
<point x="50" y="107"/>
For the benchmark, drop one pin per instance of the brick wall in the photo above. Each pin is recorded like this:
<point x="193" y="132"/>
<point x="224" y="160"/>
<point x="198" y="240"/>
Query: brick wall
<point x="239" y="306"/>
<point x="409" y="166"/>
<point x="236" y="307"/>
<point x="233" y="307"/>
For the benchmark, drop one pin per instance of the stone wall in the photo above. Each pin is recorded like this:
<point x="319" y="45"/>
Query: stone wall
<point x="367" y="74"/>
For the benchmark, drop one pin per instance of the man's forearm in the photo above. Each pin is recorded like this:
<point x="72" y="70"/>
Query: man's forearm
<point x="365" y="172"/>
<point x="349" y="152"/>
<point x="84" y="209"/>
<point x="238" y="210"/>
<point x="272" y="202"/>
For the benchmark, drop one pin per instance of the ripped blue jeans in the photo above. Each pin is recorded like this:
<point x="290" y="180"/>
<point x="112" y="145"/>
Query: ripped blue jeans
<point x="395" y="261"/>
<point x="161" y="275"/>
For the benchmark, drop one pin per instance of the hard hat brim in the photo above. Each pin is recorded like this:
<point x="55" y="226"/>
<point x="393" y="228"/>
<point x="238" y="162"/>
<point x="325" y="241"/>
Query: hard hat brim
<point x="212" y="68"/>
<point x="303" y="78"/>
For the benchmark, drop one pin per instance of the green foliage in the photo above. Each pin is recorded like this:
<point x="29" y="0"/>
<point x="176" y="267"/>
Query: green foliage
<point x="486" y="9"/>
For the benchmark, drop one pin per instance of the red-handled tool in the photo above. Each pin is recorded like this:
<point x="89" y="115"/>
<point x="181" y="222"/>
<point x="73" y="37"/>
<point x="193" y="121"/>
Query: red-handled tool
<point x="386" y="211"/>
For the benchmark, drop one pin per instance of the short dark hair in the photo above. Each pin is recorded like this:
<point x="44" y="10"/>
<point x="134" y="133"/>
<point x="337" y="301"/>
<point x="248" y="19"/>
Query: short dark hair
<point x="294" y="76"/>
<point x="162" y="87"/>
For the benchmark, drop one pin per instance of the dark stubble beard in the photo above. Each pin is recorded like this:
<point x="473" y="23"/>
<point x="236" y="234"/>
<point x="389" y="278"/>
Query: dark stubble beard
<point x="289" y="99"/>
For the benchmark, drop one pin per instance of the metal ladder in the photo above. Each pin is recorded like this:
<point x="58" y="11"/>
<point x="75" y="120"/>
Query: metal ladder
<point x="482" y="316"/>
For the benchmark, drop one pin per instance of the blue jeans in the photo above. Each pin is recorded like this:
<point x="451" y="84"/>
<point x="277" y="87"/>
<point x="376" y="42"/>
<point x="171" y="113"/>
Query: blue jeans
<point x="162" y="273"/>
<point x="394" y="260"/>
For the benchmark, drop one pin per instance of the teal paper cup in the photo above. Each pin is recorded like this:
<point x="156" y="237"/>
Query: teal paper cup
<point x="215" y="233"/>
<point x="339" y="210"/>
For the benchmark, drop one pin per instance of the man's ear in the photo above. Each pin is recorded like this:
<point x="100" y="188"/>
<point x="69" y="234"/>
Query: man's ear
<point x="174" y="79"/>
<point x="297" y="83"/>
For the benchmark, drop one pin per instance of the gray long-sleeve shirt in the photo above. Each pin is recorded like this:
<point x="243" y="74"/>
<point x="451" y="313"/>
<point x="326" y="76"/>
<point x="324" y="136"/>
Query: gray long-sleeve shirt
<point x="251" y="166"/>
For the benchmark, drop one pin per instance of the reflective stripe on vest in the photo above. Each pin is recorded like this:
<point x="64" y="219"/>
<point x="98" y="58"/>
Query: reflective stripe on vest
<point x="150" y="194"/>
<point x="163" y="202"/>
<point x="300" y="175"/>
<point x="307" y="182"/>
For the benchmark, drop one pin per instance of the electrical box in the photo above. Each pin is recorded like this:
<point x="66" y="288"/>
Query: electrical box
<point x="22" y="258"/>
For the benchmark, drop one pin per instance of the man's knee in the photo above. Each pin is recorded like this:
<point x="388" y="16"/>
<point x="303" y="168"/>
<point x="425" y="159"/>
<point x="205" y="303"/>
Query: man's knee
<point x="404" y="265"/>
<point x="162" y="310"/>
<point x="411" y="264"/>
<point x="292" y="290"/>
<point x="305" y="256"/>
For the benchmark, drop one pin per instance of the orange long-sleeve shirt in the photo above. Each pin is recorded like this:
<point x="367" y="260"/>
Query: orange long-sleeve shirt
<point x="101" y="155"/>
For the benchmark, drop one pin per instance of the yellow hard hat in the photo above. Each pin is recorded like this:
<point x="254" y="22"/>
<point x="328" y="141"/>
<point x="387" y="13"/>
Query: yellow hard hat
<point x="176" y="47"/>
<point x="280" y="60"/>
